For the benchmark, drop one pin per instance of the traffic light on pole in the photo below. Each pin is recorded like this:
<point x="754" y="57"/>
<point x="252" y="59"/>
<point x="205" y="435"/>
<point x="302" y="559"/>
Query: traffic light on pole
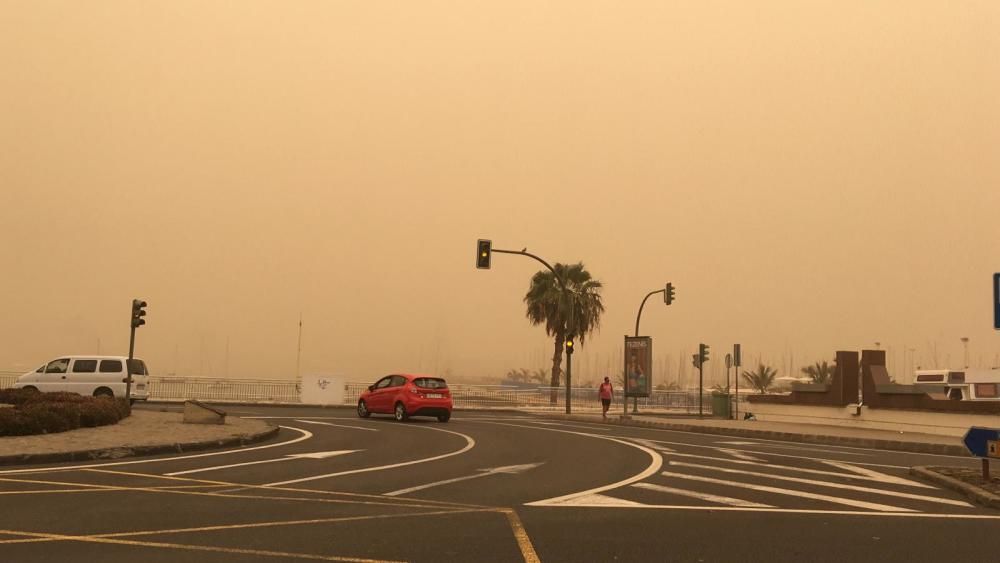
<point x="703" y="353"/>
<point x="569" y="345"/>
<point x="138" y="312"/>
<point x="484" y="251"/>
<point x="668" y="294"/>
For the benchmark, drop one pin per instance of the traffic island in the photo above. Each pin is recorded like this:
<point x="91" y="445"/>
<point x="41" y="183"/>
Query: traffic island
<point x="966" y="480"/>
<point x="143" y="433"/>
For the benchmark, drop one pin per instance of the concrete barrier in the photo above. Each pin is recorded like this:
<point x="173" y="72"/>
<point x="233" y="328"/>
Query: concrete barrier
<point x="855" y="416"/>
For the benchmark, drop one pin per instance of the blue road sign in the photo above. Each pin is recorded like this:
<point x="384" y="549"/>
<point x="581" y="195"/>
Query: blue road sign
<point x="996" y="301"/>
<point x="978" y="439"/>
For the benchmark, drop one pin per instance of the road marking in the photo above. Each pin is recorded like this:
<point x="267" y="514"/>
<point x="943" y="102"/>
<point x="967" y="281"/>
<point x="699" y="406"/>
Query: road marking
<point x="794" y="493"/>
<point x="880" y="476"/>
<point x="794" y="511"/>
<point x="737" y="443"/>
<point x="338" y="425"/>
<point x="653" y="445"/>
<point x="469" y="444"/>
<point x="882" y="479"/>
<point x="508" y="469"/>
<point x="926" y="498"/>
<point x="289" y="457"/>
<point x="654" y="466"/>
<point x="521" y="536"/>
<point x="729" y="501"/>
<point x="305" y="436"/>
<point x="185" y="547"/>
<point x="740" y="455"/>
<point x="600" y="500"/>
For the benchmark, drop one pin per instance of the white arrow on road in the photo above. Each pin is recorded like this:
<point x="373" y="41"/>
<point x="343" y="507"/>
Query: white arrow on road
<point x="289" y="457"/>
<point x="508" y="469"/>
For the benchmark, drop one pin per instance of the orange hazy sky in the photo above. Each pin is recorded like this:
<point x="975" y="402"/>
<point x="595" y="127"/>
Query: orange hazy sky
<point x="811" y="176"/>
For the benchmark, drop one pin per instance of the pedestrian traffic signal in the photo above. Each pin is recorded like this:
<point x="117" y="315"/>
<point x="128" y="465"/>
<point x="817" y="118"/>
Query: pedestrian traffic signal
<point x="484" y="251"/>
<point x="569" y="345"/>
<point x="703" y="353"/>
<point x="138" y="312"/>
<point x="668" y="294"/>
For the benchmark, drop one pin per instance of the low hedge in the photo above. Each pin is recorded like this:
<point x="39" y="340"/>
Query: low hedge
<point x="47" y="413"/>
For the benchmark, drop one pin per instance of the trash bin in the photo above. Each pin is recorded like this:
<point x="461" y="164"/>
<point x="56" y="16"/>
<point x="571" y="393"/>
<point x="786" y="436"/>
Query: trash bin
<point x="720" y="405"/>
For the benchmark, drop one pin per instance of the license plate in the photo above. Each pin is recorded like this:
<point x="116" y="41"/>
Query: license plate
<point x="434" y="395"/>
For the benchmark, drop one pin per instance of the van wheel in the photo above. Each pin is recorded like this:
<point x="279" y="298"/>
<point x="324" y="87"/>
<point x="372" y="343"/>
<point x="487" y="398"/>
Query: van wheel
<point x="444" y="417"/>
<point x="31" y="389"/>
<point x="363" y="409"/>
<point x="400" y="412"/>
<point x="104" y="392"/>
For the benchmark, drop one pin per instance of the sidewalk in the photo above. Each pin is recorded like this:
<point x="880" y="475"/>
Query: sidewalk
<point x="143" y="433"/>
<point x="811" y="433"/>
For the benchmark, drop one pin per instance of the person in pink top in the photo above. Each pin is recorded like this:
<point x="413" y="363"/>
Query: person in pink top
<point x="605" y="392"/>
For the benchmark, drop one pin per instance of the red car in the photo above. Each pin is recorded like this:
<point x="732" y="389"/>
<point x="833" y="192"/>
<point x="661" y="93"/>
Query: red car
<point x="407" y="395"/>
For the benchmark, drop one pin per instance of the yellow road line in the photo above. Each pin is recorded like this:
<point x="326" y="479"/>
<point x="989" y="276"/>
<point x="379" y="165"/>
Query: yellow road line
<point x="521" y="535"/>
<point x="239" y="551"/>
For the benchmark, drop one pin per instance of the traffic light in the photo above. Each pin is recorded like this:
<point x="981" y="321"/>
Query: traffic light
<point x="668" y="294"/>
<point x="484" y="251"/>
<point x="569" y="345"/>
<point x="695" y="360"/>
<point x="138" y="312"/>
<point x="703" y="353"/>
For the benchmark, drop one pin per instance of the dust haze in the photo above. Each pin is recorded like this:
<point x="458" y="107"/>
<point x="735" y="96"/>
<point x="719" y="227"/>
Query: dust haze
<point x="810" y="176"/>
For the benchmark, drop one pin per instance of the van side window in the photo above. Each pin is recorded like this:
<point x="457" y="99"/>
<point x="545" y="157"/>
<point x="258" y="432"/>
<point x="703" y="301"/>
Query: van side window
<point x="57" y="366"/>
<point x="137" y="367"/>
<point x="40" y="369"/>
<point x="85" y="366"/>
<point x="111" y="366"/>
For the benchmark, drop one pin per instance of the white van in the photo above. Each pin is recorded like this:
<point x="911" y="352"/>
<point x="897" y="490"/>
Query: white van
<point x="88" y="375"/>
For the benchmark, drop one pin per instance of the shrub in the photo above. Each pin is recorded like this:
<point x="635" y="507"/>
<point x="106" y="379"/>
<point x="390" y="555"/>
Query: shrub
<point x="45" y="413"/>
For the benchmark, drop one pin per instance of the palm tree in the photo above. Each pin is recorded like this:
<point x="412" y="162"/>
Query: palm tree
<point x="820" y="372"/>
<point x="761" y="379"/>
<point x="573" y="307"/>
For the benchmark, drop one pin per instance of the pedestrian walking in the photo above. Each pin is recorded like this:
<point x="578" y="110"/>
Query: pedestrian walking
<point x="605" y="392"/>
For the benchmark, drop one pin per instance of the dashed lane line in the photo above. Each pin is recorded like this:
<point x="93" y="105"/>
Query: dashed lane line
<point x="800" y="494"/>
<point x="740" y="455"/>
<point x="469" y="444"/>
<point x="729" y="501"/>
<point x="827" y="484"/>
<point x="305" y="436"/>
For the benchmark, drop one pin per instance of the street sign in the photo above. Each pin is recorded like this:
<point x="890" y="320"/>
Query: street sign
<point x="996" y="301"/>
<point x="737" y="356"/>
<point x="982" y="442"/>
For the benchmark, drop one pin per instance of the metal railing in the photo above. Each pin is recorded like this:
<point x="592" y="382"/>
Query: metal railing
<point x="465" y="396"/>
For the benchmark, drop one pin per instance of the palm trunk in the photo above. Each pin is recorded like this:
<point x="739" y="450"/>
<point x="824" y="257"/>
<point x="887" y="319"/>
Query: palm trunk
<point x="556" y="368"/>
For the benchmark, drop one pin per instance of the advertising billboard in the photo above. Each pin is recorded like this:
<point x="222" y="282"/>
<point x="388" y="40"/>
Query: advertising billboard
<point x="638" y="366"/>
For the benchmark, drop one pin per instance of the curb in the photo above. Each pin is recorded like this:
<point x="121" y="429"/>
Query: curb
<point x="973" y="492"/>
<point x="134" y="451"/>
<point x="832" y="440"/>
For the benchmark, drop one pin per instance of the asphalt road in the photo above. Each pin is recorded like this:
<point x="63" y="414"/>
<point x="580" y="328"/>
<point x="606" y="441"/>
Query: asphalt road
<point x="491" y="487"/>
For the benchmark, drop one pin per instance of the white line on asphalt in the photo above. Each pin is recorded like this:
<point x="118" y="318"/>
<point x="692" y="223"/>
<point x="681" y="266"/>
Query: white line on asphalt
<point x="794" y="493"/>
<point x="789" y="511"/>
<point x="653" y="445"/>
<point x="729" y="501"/>
<point x="305" y="436"/>
<point x="338" y="425"/>
<point x="654" y="466"/>
<point x="509" y="469"/>
<point x="881" y="476"/>
<point x="603" y="501"/>
<point x="469" y="444"/>
<point x="740" y="455"/>
<point x="737" y="443"/>
<point x="824" y="484"/>
<point x="882" y="479"/>
<point x="317" y="455"/>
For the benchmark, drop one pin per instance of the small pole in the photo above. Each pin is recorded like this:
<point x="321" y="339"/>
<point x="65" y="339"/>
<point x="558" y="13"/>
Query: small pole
<point x="701" y="386"/>
<point x="569" y="375"/>
<point x="128" y="368"/>
<point x="986" y="469"/>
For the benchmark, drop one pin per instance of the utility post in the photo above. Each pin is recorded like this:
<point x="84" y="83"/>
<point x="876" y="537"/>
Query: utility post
<point x="138" y="312"/>
<point x="737" y="361"/>
<point x="702" y="358"/>
<point x="569" y="373"/>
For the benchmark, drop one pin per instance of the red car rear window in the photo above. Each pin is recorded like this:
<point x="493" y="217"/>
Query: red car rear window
<point x="430" y="383"/>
